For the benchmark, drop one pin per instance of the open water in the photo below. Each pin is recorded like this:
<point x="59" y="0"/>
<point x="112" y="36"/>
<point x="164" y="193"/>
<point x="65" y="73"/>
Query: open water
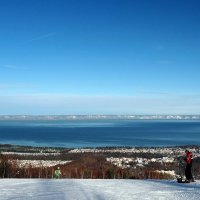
<point x="100" y="133"/>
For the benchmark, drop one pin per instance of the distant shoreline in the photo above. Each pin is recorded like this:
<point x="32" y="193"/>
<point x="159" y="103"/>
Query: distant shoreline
<point x="99" y="117"/>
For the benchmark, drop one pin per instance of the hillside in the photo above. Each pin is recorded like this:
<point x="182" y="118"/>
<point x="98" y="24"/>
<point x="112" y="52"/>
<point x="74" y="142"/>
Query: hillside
<point x="76" y="189"/>
<point x="96" y="163"/>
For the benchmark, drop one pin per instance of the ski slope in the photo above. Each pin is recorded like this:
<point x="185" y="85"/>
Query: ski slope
<point x="76" y="189"/>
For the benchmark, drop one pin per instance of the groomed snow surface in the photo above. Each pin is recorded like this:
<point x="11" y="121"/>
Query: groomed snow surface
<point x="76" y="189"/>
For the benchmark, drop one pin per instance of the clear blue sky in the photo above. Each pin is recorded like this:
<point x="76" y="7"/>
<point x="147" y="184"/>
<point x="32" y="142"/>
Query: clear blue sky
<point x="99" y="57"/>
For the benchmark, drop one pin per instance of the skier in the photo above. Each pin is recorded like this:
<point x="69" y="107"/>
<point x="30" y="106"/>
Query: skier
<point x="57" y="173"/>
<point x="188" y="169"/>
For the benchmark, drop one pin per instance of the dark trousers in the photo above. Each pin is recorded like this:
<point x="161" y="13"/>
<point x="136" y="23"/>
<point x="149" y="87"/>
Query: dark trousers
<point x="188" y="172"/>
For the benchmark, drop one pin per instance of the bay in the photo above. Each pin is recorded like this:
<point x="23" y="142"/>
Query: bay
<point x="100" y="133"/>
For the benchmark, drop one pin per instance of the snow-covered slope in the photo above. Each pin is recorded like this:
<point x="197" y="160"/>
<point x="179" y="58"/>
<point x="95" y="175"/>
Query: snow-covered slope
<point x="73" y="189"/>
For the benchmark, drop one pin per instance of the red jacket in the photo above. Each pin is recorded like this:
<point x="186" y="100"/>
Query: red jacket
<point x="189" y="157"/>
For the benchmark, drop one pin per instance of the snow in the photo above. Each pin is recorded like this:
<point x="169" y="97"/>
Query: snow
<point x="31" y="154"/>
<point x="91" y="189"/>
<point x="39" y="163"/>
<point x="171" y="172"/>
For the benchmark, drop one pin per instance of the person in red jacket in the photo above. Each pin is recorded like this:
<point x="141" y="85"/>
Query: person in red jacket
<point x="188" y="169"/>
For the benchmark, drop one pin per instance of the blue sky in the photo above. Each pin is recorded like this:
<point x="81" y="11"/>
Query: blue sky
<point x="99" y="57"/>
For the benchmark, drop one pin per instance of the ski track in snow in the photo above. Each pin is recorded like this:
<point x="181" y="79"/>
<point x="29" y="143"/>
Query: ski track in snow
<point x="76" y="189"/>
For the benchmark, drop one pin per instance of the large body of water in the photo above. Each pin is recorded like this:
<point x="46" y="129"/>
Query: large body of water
<point x="100" y="133"/>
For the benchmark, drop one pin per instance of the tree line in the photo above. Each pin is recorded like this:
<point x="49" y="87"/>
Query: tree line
<point x="85" y="167"/>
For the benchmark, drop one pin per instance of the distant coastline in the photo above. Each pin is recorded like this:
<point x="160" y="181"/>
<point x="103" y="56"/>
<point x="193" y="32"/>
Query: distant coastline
<point x="99" y="117"/>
